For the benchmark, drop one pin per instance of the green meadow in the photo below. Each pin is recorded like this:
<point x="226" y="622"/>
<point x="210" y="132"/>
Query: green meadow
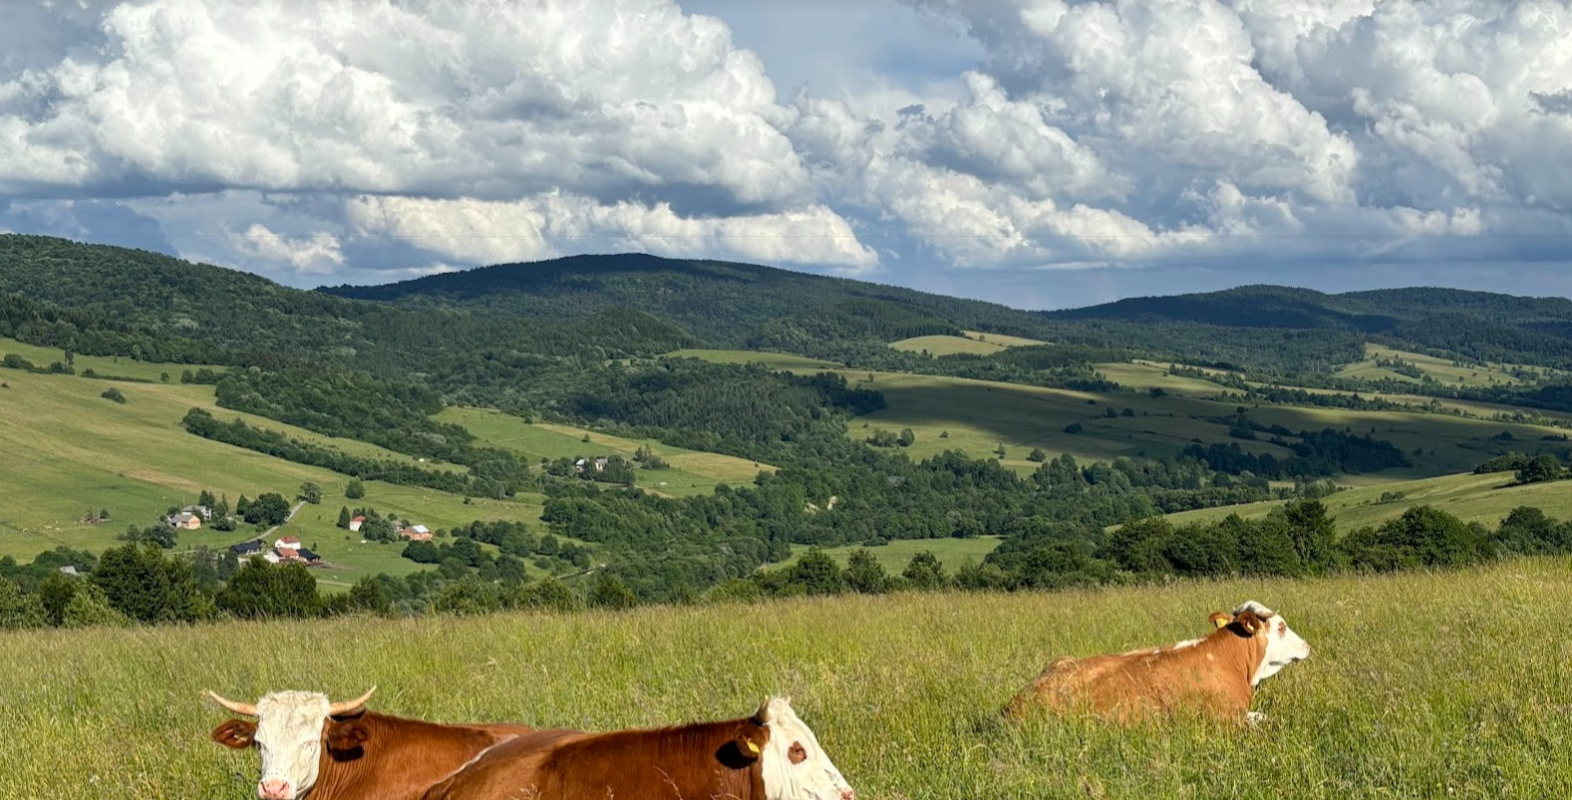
<point x="1473" y="498"/>
<point x="71" y="453"/>
<point x="947" y="345"/>
<point x="1444" y="685"/>
<point x="1441" y="369"/>
<point x="780" y="361"/>
<point x="898" y="553"/>
<point x="978" y="416"/>
<point x="692" y="471"/>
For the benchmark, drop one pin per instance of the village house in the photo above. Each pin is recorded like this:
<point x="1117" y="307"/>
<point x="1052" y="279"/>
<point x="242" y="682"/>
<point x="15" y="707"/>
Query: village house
<point x="417" y="533"/>
<point x="283" y="551"/>
<point x="202" y="511"/>
<point x="354" y="524"/>
<point x="599" y="465"/>
<point x="185" y="521"/>
<point x="248" y="549"/>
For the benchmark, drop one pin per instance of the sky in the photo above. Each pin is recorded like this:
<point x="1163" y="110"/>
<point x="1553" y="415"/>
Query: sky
<point x="1039" y="153"/>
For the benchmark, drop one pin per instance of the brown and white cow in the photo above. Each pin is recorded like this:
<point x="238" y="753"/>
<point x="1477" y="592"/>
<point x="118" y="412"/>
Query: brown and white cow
<point x="1216" y="675"/>
<point x="341" y="751"/>
<point x="771" y="755"/>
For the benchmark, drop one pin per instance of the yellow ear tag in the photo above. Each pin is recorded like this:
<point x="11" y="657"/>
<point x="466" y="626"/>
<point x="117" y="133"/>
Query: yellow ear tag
<point x="753" y="747"/>
<point x="1221" y="623"/>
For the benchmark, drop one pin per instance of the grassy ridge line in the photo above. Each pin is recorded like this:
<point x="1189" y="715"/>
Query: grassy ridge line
<point x="1471" y="498"/>
<point x="1421" y="685"/>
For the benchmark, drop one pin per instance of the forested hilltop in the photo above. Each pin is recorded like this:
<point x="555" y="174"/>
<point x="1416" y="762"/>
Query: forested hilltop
<point x="646" y="430"/>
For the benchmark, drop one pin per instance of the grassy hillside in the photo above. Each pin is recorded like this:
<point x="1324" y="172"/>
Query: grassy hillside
<point x="1438" y="685"/>
<point x="71" y="452"/>
<point x="975" y="342"/>
<point x="692" y="471"/>
<point x="946" y="345"/>
<point x="980" y="415"/>
<point x="897" y="554"/>
<point x="1441" y="370"/>
<point x="1472" y="498"/>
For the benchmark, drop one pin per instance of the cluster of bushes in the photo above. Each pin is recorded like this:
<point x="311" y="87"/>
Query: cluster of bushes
<point x="1325" y="452"/>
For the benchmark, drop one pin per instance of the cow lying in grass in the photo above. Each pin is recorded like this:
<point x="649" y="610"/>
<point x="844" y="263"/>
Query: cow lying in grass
<point x="341" y="751"/>
<point x="771" y="755"/>
<point x="1213" y="676"/>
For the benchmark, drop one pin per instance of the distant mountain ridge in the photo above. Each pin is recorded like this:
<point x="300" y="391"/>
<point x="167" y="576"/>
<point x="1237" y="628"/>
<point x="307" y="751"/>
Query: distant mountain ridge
<point x="640" y="304"/>
<point x="723" y="303"/>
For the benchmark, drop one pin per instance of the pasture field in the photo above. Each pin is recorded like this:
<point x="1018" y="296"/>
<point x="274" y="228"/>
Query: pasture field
<point x="692" y="471"/>
<point x="70" y="452"/>
<point x="100" y="365"/>
<point x="1420" y="685"/>
<point x="1472" y="498"/>
<point x="947" y="345"/>
<point x="894" y="556"/>
<point x="981" y="415"/>
<point x="1441" y="369"/>
<point x="778" y="361"/>
<point x="1144" y="375"/>
<point x="1004" y="339"/>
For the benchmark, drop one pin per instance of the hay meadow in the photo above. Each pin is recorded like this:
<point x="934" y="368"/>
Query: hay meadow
<point x="1444" y="685"/>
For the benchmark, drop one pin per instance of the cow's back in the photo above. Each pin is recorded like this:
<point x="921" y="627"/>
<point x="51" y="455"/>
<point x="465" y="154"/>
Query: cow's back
<point x="513" y="768"/>
<point x="1134" y="684"/>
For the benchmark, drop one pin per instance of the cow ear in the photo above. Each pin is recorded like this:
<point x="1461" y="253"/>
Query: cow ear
<point x="1248" y="624"/>
<point x="349" y="735"/>
<point x="750" y="745"/>
<point x="1220" y="619"/>
<point x="236" y="733"/>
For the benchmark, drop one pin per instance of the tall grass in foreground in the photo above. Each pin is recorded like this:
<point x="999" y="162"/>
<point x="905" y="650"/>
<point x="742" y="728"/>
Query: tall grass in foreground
<point x="1450" y="685"/>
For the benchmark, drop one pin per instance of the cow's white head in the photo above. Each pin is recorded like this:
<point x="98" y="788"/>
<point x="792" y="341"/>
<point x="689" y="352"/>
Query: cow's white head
<point x="1282" y="645"/>
<point x="290" y="732"/>
<point x="793" y="764"/>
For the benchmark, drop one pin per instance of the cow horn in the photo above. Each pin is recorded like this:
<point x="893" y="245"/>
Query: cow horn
<point x="345" y="707"/>
<point x="245" y="709"/>
<point x="762" y="716"/>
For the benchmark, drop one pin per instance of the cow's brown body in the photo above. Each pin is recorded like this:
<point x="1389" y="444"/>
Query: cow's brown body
<point x="1211" y="676"/>
<point x="691" y="762"/>
<point x="396" y="758"/>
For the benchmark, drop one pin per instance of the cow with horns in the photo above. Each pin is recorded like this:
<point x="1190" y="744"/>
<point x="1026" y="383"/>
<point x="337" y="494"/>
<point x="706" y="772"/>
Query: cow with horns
<point x="1215" y="676"/>
<point x="341" y="751"/>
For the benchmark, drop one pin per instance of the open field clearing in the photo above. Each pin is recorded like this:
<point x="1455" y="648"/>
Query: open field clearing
<point x="1472" y="498"/>
<point x="1000" y="338"/>
<point x="692" y="471"/>
<point x="1145" y="375"/>
<point x="780" y="361"/>
<point x="947" y="346"/>
<point x="1441" y="369"/>
<point x="1422" y="685"/>
<point x="980" y="415"/>
<point x="101" y="365"/>
<point x="71" y="452"/>
<point x="897" y="554"/>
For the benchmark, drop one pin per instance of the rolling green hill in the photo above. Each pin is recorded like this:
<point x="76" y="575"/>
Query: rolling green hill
<point x="1473" y="498"/>
<point x="724" y="304"/>
<point x="977" y="416"/>
<point x="184" y="311"/>
<point x="72" y="453"/>
<point x="1478" y="325"/>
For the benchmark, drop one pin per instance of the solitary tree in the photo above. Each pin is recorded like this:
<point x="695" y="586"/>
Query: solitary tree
<point x="355" y="490"/>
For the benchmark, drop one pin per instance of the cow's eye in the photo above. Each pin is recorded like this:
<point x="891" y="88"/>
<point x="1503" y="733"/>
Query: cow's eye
<point x="797" y="753"/>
